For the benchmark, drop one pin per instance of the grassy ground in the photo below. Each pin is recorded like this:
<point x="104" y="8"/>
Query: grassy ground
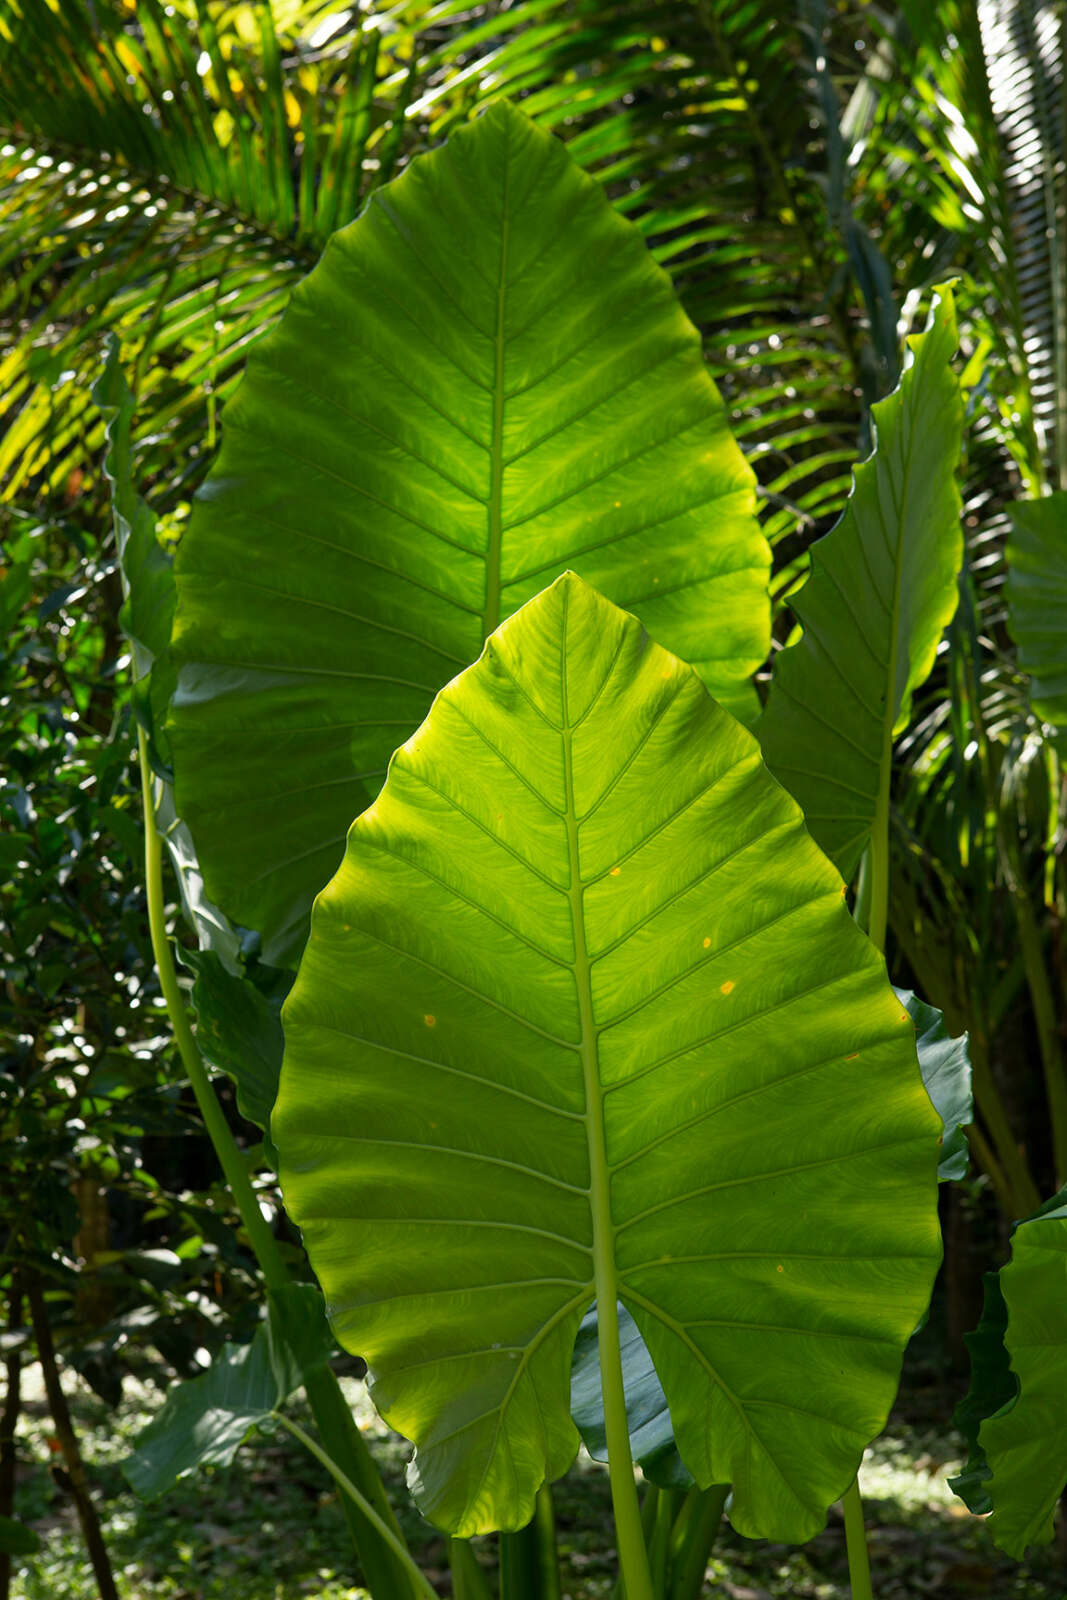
<point x="270" y="1528"/>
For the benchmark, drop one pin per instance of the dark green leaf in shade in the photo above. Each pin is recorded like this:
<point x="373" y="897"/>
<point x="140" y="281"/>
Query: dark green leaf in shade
<point x="946" y="1070"/>
<point x="992" y="1388"/>
<point x="485" y="380"/>
<point x="16" y="1539"/>
<point x="584" y="1014"/>
<point x="881" y="590"/>
<point x="1026" y="1444"/>
<point x="298" y="1335"/>
<point x="239" y="1031"/>
<point x="651" y="1435"/>
<point x="204" y="1420"/>
<point x="1037" y="603"/>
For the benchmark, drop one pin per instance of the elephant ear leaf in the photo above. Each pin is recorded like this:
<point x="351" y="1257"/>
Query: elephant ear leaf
<point x="1037" y="603"/>
<point x="883" y="586"/>
<point x="583" y="1018"/>
<point x="1025" y="1444"/>
<point x="486" y="379"/>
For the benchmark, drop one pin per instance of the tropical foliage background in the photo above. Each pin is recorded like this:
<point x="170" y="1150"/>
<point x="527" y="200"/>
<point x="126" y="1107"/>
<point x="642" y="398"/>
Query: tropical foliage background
<point x="807" y="172"/>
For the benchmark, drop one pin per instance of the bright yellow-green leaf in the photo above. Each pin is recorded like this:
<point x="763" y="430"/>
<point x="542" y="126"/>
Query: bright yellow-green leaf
<point x="583" y="1016"/>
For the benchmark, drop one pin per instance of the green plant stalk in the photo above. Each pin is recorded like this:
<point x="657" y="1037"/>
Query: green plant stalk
<point x="545" y="1522"/>
<point x="520" y="1563"/>
<point x="419" y="1582"/>
<point x="633" y="1556"/>
<point x="692" y="1537"/>
<point x="469" y="1582"/>
<point x="264" y="1245"/>
<point x="659" y="1542"/>
<point x="529" y="1563"/>
<point x="1024" y="1194"/>
<point x="859" y="1566"/>
<point x="1047" y="1024"/>
<point x="991" y="1166"/>
<point x="877" y="859"/>
<point x="876" y="862"/>
<point x="328" y="1405"/>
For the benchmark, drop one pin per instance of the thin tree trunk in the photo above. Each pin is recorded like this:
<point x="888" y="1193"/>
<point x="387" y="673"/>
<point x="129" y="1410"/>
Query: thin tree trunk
<point x="78" y="1482"/>
<point x="8" y="1424"/>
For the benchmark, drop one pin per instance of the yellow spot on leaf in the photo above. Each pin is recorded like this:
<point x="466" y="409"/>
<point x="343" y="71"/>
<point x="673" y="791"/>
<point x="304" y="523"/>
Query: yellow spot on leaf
<point x="431" y="1022"/>
<point x="779" y="1268"/>
<point x="614" y="873"/>
<point x="727" y="986"/>
<point x="707" y="944"/>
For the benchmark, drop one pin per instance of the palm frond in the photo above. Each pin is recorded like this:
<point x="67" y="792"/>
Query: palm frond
<point x="167" y="181"/>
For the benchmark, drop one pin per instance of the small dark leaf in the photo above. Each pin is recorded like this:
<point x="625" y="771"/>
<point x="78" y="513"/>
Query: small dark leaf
<point x="946" y="1070"/>
<point x="992" y="1387"/>
<point x="16" y="1539"/>
<point x="205" y="1419"/>
<point x="649" y="1420"/>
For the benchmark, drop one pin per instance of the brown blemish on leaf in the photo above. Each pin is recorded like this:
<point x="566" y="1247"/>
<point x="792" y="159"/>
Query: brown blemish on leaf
<point x="431" y="1022"/>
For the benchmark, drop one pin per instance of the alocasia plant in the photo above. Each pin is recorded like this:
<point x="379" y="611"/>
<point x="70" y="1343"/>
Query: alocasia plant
<point x="584" y="1021"/>
<point x="882" y="588"/>
<point x="583" y="1016"/>
<point x="486" y="379"/>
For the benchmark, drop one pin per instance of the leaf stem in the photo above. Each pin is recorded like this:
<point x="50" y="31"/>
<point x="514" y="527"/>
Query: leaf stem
<point x="421" y="1583"/>
<point x="262" y="1240"/>
<point x="877" y="862"/>
<point x="693" y="1535"/>
<point x="328" y="1405"/>
<point x="633" y="1556"/>
<point x="859" y="1566"/>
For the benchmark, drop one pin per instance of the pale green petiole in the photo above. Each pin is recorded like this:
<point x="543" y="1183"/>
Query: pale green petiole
<point x="859" y="1565"/>
<point x="421" y="1583"/>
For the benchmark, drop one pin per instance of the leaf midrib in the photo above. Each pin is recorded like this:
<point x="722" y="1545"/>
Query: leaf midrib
<point x="491" y="617"/>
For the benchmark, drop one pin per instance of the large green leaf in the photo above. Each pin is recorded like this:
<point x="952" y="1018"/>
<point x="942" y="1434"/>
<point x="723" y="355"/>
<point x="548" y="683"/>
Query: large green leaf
<point x="1037" y="602"/>
<point x="882" y="588"/>
<point x="486" y="379"/>
<point x="583" y="1015"/>
<point x="1026" y="1444"/>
